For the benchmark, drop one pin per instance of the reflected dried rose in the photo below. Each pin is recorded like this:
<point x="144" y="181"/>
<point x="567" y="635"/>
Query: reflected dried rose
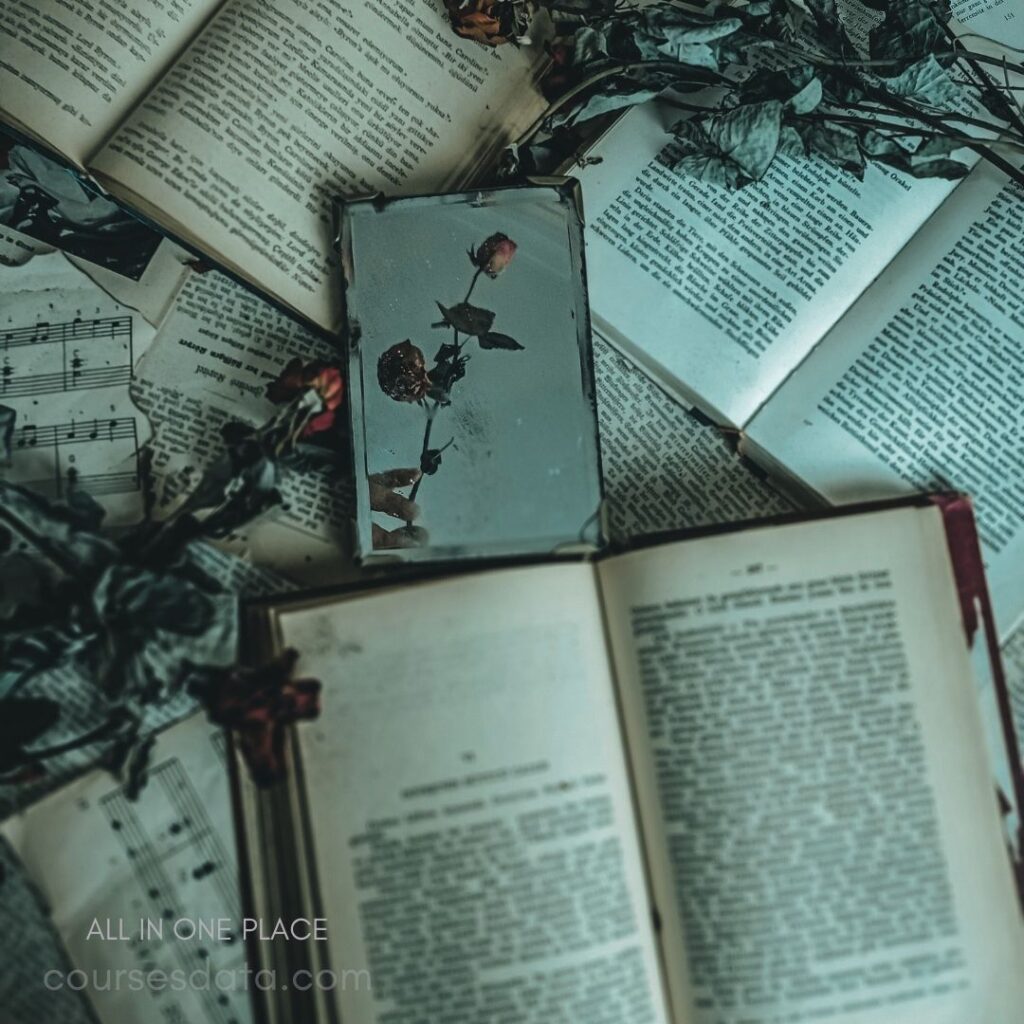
<point x="402" y="373"/>
<point x="494" y="254"/>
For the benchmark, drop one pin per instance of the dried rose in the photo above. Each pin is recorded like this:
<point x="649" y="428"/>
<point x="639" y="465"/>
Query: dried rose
<point x="402" y="373"/>
<point x="494" y="254"/>
<point x="490" y="22"/>
<point x="257" y="704"/>
<point x="325" y="380"/>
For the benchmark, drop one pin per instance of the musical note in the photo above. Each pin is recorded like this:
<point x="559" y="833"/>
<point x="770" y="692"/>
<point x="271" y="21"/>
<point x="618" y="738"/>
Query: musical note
<point x="89" y="446"/>
<point x="178" y="868"/>
<point x="110" y="348"/>
<point x="66" y="362"/>
<point x="82" y="848"/>
<point x="74" y="330"/>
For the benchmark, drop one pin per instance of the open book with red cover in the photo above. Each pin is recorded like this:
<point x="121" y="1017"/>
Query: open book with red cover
<point x="741" y="774"/>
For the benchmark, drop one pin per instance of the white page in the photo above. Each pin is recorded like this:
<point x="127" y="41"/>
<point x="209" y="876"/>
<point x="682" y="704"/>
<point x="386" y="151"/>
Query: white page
<point x="921" y="385"/>
<point x="808" y="747"/>
<point x="470" y="806"/>
<point x="150" y="870"/>
<point x="1001" y="20"/>
<point x="720" y="294"/>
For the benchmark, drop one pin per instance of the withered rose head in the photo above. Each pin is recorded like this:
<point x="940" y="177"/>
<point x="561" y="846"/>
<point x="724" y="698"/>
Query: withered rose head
<point x="494" y="254"/>
<point x="324" y="379"/>
<point x="256" y="704"/>
<point x="491" y="22"/>
<point x="402" y="373"/>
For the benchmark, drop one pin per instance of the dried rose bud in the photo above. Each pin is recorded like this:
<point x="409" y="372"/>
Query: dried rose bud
<point x="490" y="22"/>
<point x="325" y="380"/>
<point x="402" y="373"/>
<point x="494" y="254"/>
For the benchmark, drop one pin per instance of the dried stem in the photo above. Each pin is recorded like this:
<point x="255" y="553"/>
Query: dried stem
<point x="432" y="410"/>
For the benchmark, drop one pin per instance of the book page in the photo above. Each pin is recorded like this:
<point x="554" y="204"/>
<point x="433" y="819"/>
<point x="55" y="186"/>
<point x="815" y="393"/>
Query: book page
<point x="813" y="779"/>
<point x="719" y="294"/>
<point x="1013" y="660"/>
<point x="71" y="69"/>
<point x="208" y="365"/>
<point x="921" y="385"/>
<point x="279" y="107"/>
<point x="144" y="893"/>
<point x="470" y="807"/>
<point x="998" y="20"/>
<point x="664" y="467"/>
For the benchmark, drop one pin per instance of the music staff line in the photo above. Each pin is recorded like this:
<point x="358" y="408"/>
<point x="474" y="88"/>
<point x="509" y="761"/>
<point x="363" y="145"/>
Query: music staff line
<point x="44" y="333"/>
<point x="54" y="440"/>
<point x="120" y="428"/>
<point x="76" y="380"/>
<point x="150" y="867"/>
<point x="96" y="485"/>
<point x="73" y="375"/>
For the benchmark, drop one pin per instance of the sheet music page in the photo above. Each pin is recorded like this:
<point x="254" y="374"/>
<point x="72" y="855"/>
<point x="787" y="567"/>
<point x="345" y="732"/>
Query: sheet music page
<point x="67" y="353"/>
<point x="664" y="467"/>
<point x="921" y="385"/>
<point x="129" y="883"/>
<point x="210" y="363"/>
<point x="720" y="294"/>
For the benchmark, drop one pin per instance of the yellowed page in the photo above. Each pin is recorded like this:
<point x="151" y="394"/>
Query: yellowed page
<point x="279" y="107"/>
<point x="70" y="70"/>
<point x="818" y="806"/>
<point x="470" y="805"/>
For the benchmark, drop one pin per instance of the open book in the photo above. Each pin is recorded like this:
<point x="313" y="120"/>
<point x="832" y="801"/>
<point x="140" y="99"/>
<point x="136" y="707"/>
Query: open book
<point x="231" y="124"/>
<point x="862" y="337"/>
<point x="735" y="777"/>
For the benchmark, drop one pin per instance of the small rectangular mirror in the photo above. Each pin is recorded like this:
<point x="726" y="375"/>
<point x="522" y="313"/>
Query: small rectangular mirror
<point x="474" y="419"/>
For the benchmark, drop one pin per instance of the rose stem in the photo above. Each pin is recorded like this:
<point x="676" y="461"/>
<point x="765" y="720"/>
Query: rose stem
<point x="432" y="411"/>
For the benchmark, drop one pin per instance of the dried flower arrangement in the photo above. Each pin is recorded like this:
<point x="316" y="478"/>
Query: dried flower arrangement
<point x="137" y="615"/>
<point x="851" y="82"/>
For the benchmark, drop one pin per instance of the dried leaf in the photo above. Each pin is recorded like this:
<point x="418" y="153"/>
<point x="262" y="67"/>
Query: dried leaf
<point x="494" y="340"/>
<point x="467" y="318"/>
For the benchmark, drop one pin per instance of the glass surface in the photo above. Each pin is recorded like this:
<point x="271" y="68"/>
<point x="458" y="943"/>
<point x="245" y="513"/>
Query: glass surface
<point x="469" y="343"/>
